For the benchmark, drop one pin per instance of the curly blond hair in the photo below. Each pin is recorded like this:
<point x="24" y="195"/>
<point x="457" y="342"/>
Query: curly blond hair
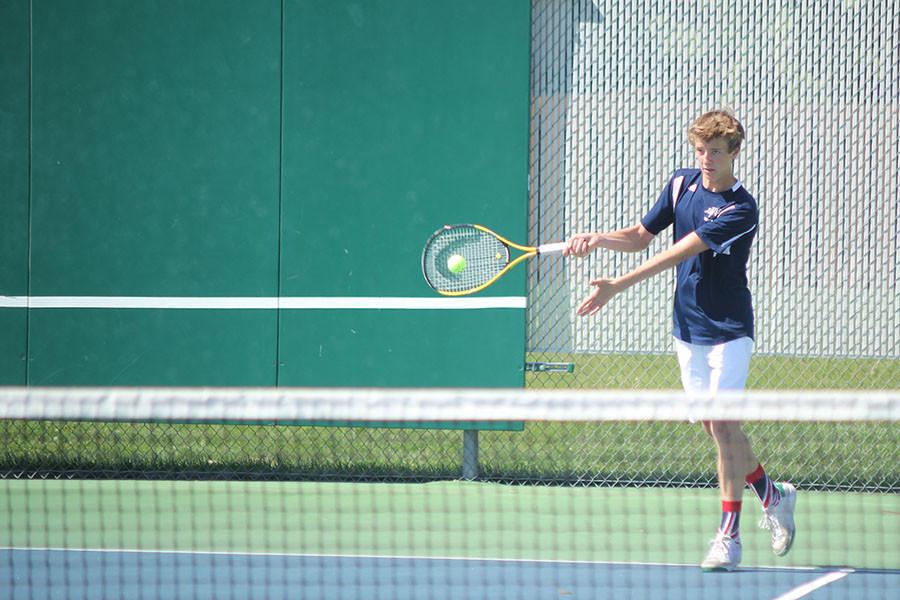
<point x="717" y="124"/>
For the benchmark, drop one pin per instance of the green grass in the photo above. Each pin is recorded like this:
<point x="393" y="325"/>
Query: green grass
<point x="660" y="371"/>
<point x="824" y="456"/>
<point x="816" y="456"/>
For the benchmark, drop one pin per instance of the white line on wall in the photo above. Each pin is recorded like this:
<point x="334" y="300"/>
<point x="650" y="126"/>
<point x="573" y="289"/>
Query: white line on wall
<point x="259" y="303"/>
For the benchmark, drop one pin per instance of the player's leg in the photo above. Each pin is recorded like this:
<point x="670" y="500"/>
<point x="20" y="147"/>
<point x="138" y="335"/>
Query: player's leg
<point x="735" y="458"/>
<point x="734" y="454"/>
<point x="729" y="365"/>
<point x="725" y="549"/>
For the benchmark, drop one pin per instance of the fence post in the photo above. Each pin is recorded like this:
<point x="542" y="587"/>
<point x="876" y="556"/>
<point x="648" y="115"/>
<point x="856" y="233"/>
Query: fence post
<point x="470" y="454"/>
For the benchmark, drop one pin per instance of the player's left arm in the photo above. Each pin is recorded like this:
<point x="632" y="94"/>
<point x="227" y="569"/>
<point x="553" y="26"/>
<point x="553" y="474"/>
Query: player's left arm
<point x="605" y="289"/>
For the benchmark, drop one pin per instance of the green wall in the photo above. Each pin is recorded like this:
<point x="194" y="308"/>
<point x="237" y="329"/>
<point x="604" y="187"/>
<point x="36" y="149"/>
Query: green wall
<point x="400" y="116"/>
<point x="14" y="192"/>
<point x="154" y="173"/>
<point x="219" y="148"/>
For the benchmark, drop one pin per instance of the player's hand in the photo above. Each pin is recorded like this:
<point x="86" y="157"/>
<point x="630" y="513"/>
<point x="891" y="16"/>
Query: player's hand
<point x="580" y="244"/>
<point x="604" y="290"/>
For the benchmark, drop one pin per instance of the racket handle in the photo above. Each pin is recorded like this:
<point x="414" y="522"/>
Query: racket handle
<point x="556" y="248"/>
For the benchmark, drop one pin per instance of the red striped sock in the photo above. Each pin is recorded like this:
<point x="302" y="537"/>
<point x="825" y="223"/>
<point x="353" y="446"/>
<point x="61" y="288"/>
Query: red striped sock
<point x="763" y="487"/>
<point x="731" y="519"/>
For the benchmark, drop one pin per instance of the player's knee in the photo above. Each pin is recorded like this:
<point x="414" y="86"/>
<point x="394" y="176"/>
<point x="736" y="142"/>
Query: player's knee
<point x="724" y="432"/>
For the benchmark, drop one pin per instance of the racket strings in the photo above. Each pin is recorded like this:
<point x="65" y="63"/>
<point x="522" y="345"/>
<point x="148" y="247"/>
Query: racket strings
<point x="485" y="257"/>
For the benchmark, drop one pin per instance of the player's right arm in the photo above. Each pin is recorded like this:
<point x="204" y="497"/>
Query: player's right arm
<point x="629" y="239"/>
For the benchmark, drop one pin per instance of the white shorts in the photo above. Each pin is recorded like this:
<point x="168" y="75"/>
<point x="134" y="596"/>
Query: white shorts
<point x="712" y="368"/>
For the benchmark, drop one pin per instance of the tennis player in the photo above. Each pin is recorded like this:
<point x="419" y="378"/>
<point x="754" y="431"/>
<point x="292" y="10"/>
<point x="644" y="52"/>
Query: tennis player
<point x="715" y="220"/>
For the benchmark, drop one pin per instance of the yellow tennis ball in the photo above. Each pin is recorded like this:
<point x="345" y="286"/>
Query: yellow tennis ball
<point x="456" y="264"/>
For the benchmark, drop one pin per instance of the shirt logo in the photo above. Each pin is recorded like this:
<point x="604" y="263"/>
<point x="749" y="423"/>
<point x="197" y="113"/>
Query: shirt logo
<point x="714" y="212"/>
<point x="711" y="213"/>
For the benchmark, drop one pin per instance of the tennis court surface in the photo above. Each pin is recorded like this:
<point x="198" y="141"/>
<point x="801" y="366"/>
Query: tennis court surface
<point x="99" y="501"/>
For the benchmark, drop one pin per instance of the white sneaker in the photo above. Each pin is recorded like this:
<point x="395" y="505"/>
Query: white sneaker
<point x="724" y="554"/>
<point x="779" y="519"/>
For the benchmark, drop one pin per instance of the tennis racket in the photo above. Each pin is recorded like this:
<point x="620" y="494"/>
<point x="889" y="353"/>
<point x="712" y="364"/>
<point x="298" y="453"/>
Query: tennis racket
<point x="464" y="259"/>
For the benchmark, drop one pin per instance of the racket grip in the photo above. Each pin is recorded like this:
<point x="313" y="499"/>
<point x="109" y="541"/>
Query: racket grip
<point x="556" y="248"/>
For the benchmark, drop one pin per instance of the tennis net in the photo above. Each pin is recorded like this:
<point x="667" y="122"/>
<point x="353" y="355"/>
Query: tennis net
<point x="362" y="493"/>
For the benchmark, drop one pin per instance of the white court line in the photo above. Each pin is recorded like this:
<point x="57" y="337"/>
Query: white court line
<point x="809" y="587"/>
<point x="264" y="303"/>
<point x="351" y="556"/>
<point x="411" y="557"/>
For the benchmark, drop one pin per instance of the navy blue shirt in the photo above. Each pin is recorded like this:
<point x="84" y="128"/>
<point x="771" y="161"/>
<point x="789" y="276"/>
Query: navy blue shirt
<point x="712" y="300"/>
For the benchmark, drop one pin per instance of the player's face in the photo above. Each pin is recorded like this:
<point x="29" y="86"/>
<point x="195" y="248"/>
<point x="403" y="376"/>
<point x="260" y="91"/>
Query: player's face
<point x="714" y="159"/>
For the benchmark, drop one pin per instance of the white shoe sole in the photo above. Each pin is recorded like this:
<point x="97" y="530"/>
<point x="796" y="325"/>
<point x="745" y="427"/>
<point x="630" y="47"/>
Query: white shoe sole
<point x="791" y="501"/>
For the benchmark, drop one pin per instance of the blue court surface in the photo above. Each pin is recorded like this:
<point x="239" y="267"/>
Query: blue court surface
<point x="50" y="573"/>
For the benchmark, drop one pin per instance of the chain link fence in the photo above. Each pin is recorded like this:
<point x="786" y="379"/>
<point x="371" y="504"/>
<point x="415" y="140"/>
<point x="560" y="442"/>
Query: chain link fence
<point x="846" y="457"/>
<point x="816" y="85"/>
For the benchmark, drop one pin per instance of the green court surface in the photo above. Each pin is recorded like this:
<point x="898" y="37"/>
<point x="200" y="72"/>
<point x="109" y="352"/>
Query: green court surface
<point x="442" y="519"/>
